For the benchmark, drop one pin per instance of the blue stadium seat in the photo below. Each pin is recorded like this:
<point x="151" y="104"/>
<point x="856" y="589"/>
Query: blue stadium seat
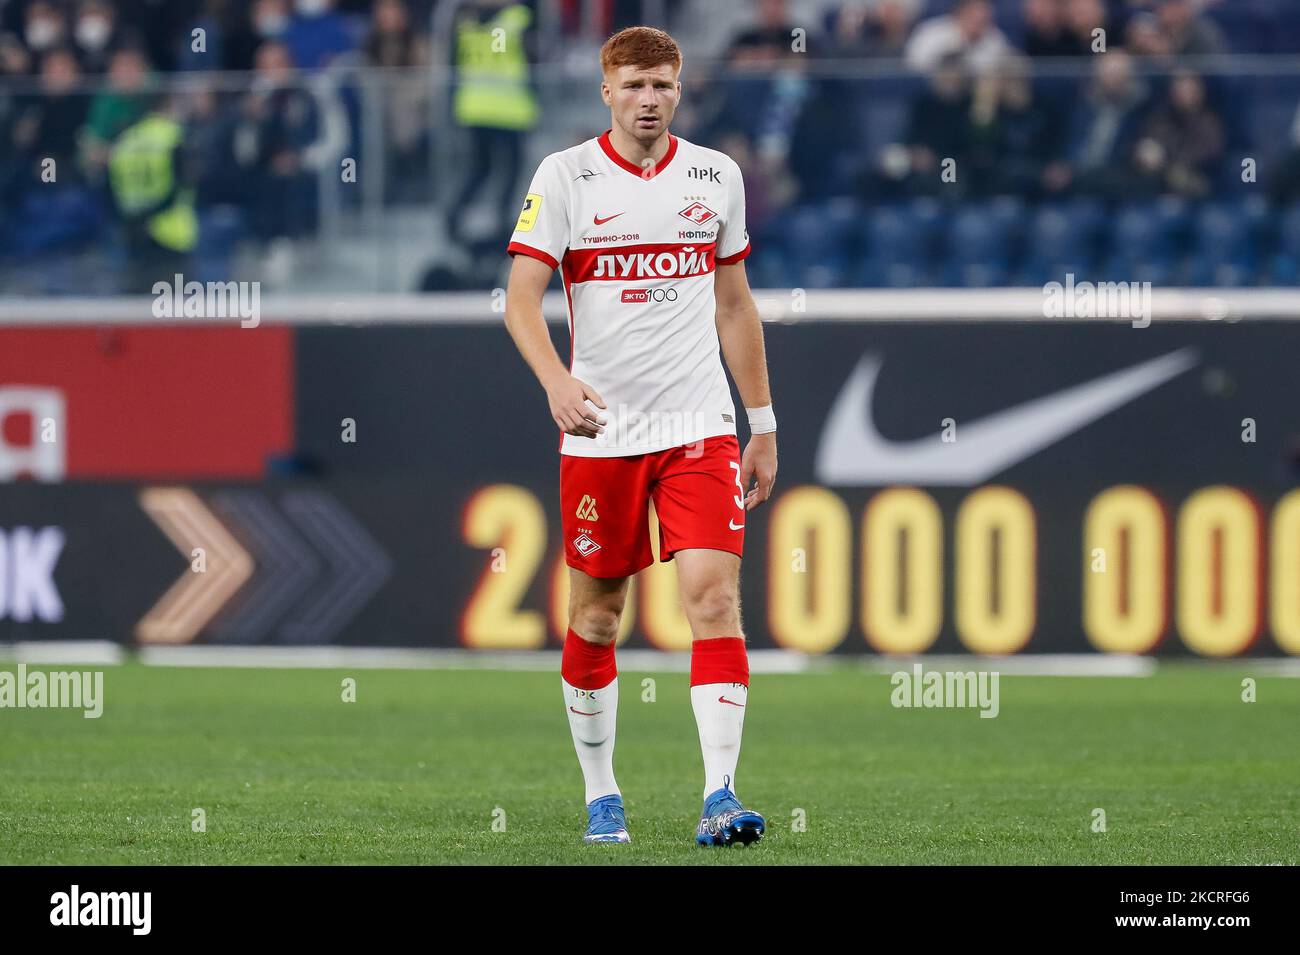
<point x="980" y="243"/>
<point x="766" y="267"/>
<point x="899" y="244"/>
<point x="1147" y="240"/>
<point x="1063" y="240"/>
<point x="1225" y="242"/>
<point x="822" y="242"/>
<point x="221" y="228"/>
<point x="1286" y="262"/>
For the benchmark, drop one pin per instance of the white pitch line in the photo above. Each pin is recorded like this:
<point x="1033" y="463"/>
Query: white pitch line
<point x="96" y="652"/>
<point x="1288" y="667"/>
<point x="397" y="658"/>
<point x="111" y="653"/>
<point x="1029" y="664"/>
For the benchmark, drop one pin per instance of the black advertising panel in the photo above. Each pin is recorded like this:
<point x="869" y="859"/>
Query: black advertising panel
<point x="942" y="488"/>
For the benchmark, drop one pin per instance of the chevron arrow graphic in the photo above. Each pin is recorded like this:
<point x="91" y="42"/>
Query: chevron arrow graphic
<point x="357" y="567"/>
<point x="195" y="598"/>
<point x="286" y="567"/>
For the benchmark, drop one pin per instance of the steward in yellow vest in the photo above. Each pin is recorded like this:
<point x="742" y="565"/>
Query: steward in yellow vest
<point x="495" y="105"/>
<point x="156" y="206"/>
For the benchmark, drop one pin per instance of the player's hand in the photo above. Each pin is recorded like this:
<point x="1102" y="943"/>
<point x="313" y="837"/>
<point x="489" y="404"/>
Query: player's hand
<point x="571" y="403"/>
<point x="758" y="464"/>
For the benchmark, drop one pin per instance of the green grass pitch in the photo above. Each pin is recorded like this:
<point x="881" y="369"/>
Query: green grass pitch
<point x="417" y="768"/>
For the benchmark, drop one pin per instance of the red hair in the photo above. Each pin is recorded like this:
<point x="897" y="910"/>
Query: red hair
<point x="643" y="47"/>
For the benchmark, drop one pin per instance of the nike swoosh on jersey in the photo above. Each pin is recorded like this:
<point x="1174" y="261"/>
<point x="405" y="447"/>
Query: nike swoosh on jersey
<point x="599" y="221"/>
<point x="853" y="452"/>
<point x="734" y="526"/>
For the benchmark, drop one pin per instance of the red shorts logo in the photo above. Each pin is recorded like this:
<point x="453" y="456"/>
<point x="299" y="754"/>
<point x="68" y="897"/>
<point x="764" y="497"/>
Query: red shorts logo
<point x="585" y="545"/>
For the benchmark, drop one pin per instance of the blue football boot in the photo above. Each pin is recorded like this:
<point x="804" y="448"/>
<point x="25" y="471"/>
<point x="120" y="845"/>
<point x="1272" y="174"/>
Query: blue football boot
<point x="725" y="822"/>
<point x="605" y="820"/>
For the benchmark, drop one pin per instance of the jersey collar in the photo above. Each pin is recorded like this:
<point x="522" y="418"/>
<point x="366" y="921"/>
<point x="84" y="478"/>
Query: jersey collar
<point x="634" y="169"/>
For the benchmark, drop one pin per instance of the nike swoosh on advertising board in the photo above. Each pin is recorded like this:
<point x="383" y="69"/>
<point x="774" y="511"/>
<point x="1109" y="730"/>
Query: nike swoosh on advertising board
<point x="853" y="452"/>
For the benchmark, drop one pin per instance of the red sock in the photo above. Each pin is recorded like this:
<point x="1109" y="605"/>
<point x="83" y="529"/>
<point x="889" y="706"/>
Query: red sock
<point x="586" y="665"/>
<point x="720" y="660"/>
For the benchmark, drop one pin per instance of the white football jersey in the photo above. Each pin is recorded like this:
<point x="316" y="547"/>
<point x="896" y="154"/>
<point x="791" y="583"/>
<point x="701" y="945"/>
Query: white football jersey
<point x="637" y="251"/>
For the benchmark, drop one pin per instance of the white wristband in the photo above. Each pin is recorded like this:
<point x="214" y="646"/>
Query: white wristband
<point x="761" y="420"/>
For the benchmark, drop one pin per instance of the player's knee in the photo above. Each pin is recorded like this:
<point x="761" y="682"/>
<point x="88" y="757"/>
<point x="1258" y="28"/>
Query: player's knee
<point x="597" y="624"/>
<point x="713" y="607"/>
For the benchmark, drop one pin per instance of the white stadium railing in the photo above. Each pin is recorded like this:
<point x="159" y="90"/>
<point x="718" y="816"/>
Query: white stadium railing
<point x="775" y="305"/>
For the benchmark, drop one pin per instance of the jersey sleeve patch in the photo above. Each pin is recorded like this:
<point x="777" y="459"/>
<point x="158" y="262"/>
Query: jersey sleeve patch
<point x="528" y="215"/>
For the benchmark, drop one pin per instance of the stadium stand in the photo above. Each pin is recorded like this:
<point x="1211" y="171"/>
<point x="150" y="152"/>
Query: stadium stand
<point x="327" y="144"/>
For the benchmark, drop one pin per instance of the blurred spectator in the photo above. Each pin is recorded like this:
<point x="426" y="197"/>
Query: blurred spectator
<point x="15" y="60"/>
<point x="1183" y="141"/>
<point x="1146" y="38"/>
<point x="394" y="43"/>
<point x="50" y="124"/>
<point x="1015" y="138"/>
<point x="938" y="129"/>
<point x="224" y="183"/>
<point x="788" y="95"/>
<point x="704" y="115"/>
<point x="874" y="28"/>
<point x="155" y="26"/>
<point x="53" y="211"/>
<point x="44" y="26"/>
<point x="769" y="39"/>
<point x="1083" y="18"/>
<point x="317" y="34"/>
<point x="1104" y="130"/>
<point x="215" y="19"/>
<point x="1045" y="33"/>
<point x="968" y="32"/>
<point x="1284" y="185"/>
<point x="148" y="177"/>
<point x="292" y="132"/>
<point x="821" y="143"/>
<point x="768" y="187"/>
<point x="494" y="103"/>
<point x="219" y="164"/>
<point x="1065" y="27"/>
<point x="15" y="64"/>
<point x="247" y="28"/>
<point x="1189" y="31"/>
<point x="95" y="33"/>
<point x="120" y="104"/>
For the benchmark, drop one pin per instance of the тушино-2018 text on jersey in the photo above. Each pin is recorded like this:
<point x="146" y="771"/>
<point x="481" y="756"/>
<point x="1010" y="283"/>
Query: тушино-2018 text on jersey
<point x="637" y="250"/>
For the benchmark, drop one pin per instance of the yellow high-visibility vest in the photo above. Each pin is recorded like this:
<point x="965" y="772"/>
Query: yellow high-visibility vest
<point x="142" y="173"/>
<point x="492" y="88"/>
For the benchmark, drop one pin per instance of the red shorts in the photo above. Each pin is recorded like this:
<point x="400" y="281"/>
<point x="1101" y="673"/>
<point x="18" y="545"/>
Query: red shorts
<point x="697" y="497"/>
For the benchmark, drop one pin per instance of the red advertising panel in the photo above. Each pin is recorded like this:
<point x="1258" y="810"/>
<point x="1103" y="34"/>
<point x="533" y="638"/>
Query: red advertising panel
<point x="167" y="402"/>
